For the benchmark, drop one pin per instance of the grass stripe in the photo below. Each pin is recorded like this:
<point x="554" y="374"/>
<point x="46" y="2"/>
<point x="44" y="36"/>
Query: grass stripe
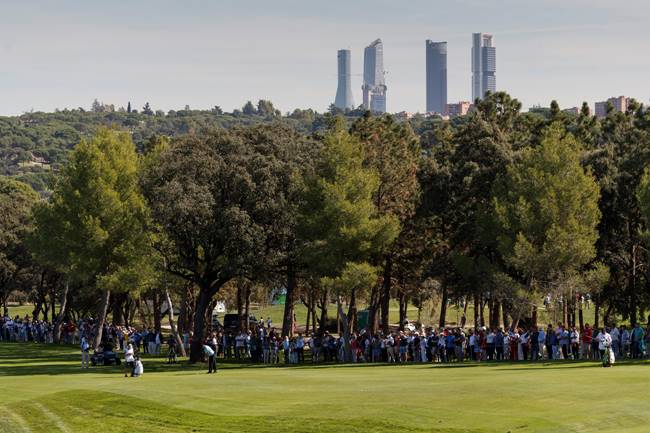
<point x="58" y="422"/>
<point x="18" y="426"/>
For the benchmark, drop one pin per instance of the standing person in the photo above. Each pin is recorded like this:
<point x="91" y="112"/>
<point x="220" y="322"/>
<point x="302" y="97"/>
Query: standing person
<point x="210" y="352"/>
<point x="565" y="342"/>
<point x="616" y="340"/>
<point x="157" y="341"/>
<point x="499" y="343"/>
<point x="151" y="342"/>
<point x="587" y="335"/>
<point x="604" y="341"/>
<point x="129" y="360"/>
<point x="423" y="348"/>
<point x="269" y="323"/>
<point x="575" y="343"/>
<point x="171" y="353"/>
<point x="459" y="342"/>
<point x="549" y="342"/>
<point x="534" y="344"/>
<point x="85" y="353"/>
<point x="489" y="340"/>
<point x="523" y="345"/>
<point x="300" y="348"/>
<point x="638" y="342"/>
<point x="555" y="341"/>
<point x="625" y="342"/>
<point x="286" y="345"/>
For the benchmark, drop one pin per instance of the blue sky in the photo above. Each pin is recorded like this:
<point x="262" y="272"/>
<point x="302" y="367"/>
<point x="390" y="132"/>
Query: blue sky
<point x="57" y="54"/>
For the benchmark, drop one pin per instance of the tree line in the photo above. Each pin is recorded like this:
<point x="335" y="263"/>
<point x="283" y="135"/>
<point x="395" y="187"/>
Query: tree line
<point x="500" y="208"/>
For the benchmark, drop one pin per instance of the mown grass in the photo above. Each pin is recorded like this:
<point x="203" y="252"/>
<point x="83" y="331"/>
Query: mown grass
<point x="44" y="390"/>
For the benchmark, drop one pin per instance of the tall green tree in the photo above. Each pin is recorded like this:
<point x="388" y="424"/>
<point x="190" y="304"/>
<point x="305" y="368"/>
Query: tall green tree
<point x="94" y="228"/>
<point x="547" y="209"/>
<point x="17" y="200"/>
<point x="339" y="218"/>
<point x="219" y="199"/>
<point x="393" y="150"/>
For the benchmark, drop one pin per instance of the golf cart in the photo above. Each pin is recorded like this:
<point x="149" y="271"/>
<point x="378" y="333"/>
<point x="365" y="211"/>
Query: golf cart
<point x="105" y="356"/>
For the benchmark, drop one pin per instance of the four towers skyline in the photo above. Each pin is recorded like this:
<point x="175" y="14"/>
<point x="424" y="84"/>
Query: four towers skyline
<point x="483" y="67"/>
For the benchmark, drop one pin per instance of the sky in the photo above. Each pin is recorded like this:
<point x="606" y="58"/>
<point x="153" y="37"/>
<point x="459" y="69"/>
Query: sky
<point x="65" y="53"/>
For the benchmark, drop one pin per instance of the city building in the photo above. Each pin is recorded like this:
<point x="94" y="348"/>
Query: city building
<point x="343" y="98"/>
<point x="458" y="109"/>
<point x="483" y="65"/>
<point x="374" y="84"/>
<point x="436" y="75"/>
<point x="619" y="104"/>
<point x="572" y="110"/>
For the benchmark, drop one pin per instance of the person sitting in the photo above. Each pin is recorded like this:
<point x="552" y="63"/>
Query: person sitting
<point x="138" y="370"/>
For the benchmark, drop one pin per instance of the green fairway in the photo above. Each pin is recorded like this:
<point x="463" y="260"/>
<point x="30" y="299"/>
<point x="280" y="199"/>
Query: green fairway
<point x="44" y="390"/>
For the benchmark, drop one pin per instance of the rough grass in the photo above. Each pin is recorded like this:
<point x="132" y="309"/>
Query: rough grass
<point x="44" y="390"/>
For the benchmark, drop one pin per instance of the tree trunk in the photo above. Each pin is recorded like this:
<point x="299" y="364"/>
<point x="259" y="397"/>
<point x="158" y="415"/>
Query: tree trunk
<point x="443" y="306"/>
<point x="607" y="313"/>
<point x="463" y="319"/>
<point x="287" y="317"/>
<point x="118" y="301"/>
<point x="126" y="310"/>
<point x="170" y="315"/>
<point x="476" y="311"/>
<point x="505" y="310"/>
<point x="205" y="295"/>
<point x="346" y="331"/>
<point x="140" y="308"/>
<point x="247" y="307"/>
<point x="596" y="314"/>
<point x="402" y="310"/>
<point x="372" y="310"/>
<point x="59" y="319"/>
<point x="352" y="309"/>
<point x="101" y="318"/>
<point x="481" y="313"/>
<point x="308" y="320"/>
<point x="632" y="287"/>
<point x="240" y="304"/>
<point x="581" y="318"/>
<point x="313" y="312"/>
<point x="534" y="315"/>
<point x="494" y="314"/>
<point x="157" y="313"/>
<point x="323" y="312"/>
<point x="385" y="295"/>
<point x="515" y="322"/>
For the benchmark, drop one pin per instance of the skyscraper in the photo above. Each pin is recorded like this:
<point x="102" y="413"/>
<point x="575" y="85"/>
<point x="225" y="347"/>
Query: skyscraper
<point x="484" y="65"/>
<point x="374" y="85"/>
<point x="344" y="90"/>
<point x="436" y="76"/>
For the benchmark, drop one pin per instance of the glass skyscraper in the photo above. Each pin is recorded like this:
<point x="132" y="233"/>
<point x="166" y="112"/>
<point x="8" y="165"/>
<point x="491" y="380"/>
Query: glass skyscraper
<point x="484" y="65"/>
<point x="343" y="98"/>
<point x="374" y="84"/>
<point x="436" y="59"/>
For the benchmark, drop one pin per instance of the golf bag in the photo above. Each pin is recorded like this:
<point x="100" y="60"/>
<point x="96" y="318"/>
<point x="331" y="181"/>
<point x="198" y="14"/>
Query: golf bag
<point x="608" y="357"/>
